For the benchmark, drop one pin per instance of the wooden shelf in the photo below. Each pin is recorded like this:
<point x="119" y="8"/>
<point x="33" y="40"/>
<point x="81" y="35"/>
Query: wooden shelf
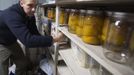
<point x="96" y="52"/>
<point x="72" y="63"/>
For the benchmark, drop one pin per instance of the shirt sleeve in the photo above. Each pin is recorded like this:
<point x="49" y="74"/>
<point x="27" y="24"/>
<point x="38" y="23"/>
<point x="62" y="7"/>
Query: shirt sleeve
<point x="17" y="26"/>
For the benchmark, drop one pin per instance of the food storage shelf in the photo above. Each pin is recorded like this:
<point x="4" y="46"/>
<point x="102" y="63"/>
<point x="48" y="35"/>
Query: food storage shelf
<point x="93" y="2"/>
<point x="96" y="52"/>
<point x="72" y="63"/>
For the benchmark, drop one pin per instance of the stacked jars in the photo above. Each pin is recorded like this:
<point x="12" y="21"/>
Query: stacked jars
<point x="79" y="28"/>
<point x="73" y="20"/>
<point x="92" y="27"/>
<point x="119" y="41"/>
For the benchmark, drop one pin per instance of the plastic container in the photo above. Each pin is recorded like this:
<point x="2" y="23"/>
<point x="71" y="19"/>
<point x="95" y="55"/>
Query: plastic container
<point x="117" y="41"/>
<point x="92" y="27"/>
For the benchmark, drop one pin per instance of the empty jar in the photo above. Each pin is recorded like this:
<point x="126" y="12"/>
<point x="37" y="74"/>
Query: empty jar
<point x="117" y="42"/>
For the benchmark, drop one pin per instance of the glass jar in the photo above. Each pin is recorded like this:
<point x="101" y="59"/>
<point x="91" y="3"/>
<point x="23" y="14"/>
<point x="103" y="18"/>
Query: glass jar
<point x="92" y="27"/>
<point x="131" y="49"/>
<point x="105" y="27"/>
<point x="116" y="45"/>
<point x="73" y="20"/>
<point x="79" y="28"/>
<point x="131" y="43"/>
<point x="51" y="13"/>
<point x="67" y="12"/>
<point x="95" y="67"/>
<point x="103" y="71"/>
<point x="62" y="16"/>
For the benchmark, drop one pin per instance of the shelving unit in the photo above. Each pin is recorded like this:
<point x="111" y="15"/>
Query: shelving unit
<point x="96" y="52"/>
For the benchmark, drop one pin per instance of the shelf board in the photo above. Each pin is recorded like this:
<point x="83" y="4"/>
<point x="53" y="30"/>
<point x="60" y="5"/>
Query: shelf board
<point x="50" y="4"/>
<point x="74" y="67"/>
<point x="93" y="2"/>
<point x="96" y="52"/>
<point x="63" y="70"/>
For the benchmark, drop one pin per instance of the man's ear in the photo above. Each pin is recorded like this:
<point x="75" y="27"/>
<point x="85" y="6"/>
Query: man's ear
<point x="21" y="2"/>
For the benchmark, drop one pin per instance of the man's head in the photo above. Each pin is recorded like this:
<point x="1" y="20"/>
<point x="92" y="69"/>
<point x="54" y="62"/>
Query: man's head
<point x="28" y="6"/>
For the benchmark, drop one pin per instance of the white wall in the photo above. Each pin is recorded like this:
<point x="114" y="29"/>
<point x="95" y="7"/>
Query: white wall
<point x="7" y="3"/>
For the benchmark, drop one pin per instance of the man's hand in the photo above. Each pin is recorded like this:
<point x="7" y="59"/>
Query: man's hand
<point x="58" y="37"/>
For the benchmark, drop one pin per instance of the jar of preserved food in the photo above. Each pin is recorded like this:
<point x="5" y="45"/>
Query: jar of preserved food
<point x="79" y="28"/>
<point x="62" y="16"/>
<point x="67" y="11"/>
<point x="73" y="20"/>
<point x="48" y="12"/>
<point x="116" y="45"/>
<point x="51" y="13"/>
<point x="105" y="27"/>
<point x="92" y="27"/>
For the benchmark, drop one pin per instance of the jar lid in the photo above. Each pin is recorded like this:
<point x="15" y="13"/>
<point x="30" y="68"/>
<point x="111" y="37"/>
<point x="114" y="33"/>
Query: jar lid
<point x="90" y="11"/>
<point x="67" y="10"/>
<point x="72" y="10"/>
<point x="94" y="12"/>
<point x="82" y="11"/>
<point x="123" y="15"/>
<point x="62" y="9"/>
<point x="109" y="13"/>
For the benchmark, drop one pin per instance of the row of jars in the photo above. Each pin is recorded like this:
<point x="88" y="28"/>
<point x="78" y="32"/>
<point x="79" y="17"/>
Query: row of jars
<point x="87" y="24"/>
<point x="114" y="30"/>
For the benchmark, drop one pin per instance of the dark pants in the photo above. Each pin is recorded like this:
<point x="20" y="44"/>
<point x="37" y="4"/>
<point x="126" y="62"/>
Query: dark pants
<point x="15" y="54"/>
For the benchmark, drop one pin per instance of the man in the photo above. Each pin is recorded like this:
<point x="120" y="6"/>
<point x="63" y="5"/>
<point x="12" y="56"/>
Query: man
<point x="18" y="22"/>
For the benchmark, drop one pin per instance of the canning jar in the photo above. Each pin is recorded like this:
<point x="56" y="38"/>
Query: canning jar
<point x="105" y="27"/>
<point x="80" y="23"/>
<point x="67" y="12"/>
<point x="131" y="43"/>
<point x="62" y="16"/>
<point x="118" y="37"/>
<point x="51" y="13"/>
<point x="94" y="67"/>
<point x="73" y="20"/>
<point x="131" y="49"/>
<point x="92" y="27"/>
